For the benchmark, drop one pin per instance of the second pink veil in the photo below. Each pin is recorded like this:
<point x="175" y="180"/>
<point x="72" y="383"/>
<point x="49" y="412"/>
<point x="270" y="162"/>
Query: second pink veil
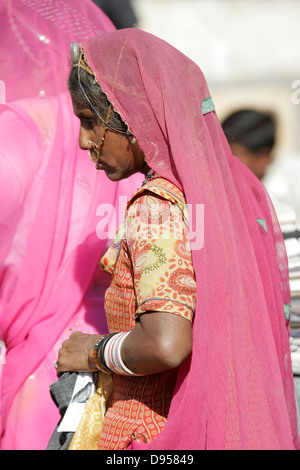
<point x="52" y="199"/>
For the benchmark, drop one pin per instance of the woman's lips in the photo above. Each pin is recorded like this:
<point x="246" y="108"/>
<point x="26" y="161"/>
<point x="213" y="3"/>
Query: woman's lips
<point x="99" y="166"/>
<point x="102" y="166"/>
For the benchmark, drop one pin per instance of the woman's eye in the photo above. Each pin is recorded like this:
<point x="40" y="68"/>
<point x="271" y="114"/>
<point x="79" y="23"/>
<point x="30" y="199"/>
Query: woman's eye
<point x="87" y="123"/>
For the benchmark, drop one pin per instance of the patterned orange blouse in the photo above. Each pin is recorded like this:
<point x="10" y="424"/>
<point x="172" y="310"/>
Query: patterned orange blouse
<point x="151" y="270"/>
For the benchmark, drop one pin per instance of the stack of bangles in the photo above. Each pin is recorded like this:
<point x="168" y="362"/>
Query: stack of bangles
<point x="109" y="349"/>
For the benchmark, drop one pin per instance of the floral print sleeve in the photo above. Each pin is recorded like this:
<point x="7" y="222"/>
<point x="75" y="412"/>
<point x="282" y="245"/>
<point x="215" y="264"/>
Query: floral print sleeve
<point x="159" y="249"/>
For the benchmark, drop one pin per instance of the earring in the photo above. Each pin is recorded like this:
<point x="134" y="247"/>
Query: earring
<point x="133" y="141"/>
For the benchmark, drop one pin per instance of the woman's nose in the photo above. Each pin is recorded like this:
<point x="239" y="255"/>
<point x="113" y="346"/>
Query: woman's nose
<point x="84" y="140"/>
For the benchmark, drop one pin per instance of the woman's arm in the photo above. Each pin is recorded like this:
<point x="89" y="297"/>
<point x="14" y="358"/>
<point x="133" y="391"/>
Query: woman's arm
<point x="158" y="342"/>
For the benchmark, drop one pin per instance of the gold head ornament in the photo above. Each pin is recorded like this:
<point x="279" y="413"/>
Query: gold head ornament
<point x="78" y="60"/>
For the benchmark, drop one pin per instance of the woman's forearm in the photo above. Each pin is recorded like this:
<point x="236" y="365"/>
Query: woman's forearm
<point x="158" y="342"/>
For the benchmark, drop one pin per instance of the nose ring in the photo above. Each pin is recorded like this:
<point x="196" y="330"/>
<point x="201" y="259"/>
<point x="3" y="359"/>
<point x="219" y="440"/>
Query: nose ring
<point x="96" y="149"/>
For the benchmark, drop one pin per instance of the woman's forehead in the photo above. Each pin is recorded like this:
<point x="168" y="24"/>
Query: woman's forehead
<point x="82" y="110"/>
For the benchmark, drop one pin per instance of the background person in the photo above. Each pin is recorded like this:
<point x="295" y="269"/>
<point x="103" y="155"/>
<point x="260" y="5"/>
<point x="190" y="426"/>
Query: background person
<point x="251" y="136"/>
<point x="120" y="12"/>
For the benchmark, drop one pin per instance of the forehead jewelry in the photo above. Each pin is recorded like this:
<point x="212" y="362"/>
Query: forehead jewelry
<point x="78" y="60"/>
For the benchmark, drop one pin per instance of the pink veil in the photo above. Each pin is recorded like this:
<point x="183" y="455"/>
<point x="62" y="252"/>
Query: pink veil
<point x="52" y="200"/>
<point x="237" y="391"/>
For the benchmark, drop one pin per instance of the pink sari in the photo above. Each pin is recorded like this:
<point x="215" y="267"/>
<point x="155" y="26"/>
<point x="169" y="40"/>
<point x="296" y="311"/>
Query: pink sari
<point x="236" y="391"/>
<point x="53" y="213"/>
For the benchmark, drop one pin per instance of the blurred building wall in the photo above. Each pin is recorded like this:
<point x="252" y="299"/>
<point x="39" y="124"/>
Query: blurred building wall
<point x="249" y="51"/>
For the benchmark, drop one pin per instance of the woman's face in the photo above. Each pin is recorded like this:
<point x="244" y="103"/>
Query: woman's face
<point x="119" y="158"/>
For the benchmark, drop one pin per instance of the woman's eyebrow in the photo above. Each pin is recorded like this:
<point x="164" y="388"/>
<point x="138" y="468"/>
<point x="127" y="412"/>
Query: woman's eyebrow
<point x="84" y="114"/>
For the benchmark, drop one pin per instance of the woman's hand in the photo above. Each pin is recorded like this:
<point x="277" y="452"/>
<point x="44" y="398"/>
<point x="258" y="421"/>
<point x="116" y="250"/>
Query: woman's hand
<point x="76" y="353"/>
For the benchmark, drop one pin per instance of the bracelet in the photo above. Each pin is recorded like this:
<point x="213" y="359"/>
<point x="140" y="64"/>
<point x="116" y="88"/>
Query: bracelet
<point x="112" y="355"/>
<point x="99" y="345"/>
<point x="102" y="345"/>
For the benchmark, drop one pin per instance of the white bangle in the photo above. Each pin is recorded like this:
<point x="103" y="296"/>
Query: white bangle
<point x="112" y="355"/>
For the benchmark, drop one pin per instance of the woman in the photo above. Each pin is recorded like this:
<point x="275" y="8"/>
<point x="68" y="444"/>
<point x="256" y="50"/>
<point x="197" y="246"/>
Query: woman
<point x="48" y="212"/>
<point x="202" y="365"/>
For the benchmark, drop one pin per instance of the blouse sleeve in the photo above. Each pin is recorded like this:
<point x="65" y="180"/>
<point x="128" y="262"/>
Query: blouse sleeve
<point x="161" y="259"/>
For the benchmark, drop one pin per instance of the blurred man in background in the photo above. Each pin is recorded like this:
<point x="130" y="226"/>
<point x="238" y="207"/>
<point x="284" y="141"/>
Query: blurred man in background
<point x="251" y="136"/>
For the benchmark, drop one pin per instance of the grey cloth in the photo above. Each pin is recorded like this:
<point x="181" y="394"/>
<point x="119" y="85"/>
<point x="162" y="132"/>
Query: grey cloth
<point x="61" y="392"/>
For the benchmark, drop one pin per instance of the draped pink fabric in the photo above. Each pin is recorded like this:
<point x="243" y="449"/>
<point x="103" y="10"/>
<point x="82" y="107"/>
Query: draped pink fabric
<point x="236" y="391"/>
<point x="52" y="201"/>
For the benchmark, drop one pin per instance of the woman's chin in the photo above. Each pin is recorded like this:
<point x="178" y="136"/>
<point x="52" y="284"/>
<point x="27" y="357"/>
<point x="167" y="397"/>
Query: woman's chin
<point x="116" y="176"/>
<point x="113" y="175"/>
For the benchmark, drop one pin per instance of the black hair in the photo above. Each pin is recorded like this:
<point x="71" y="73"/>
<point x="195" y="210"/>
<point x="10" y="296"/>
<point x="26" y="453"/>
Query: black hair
<point x="96" y="96"/>
<point x="253" y="129"/>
